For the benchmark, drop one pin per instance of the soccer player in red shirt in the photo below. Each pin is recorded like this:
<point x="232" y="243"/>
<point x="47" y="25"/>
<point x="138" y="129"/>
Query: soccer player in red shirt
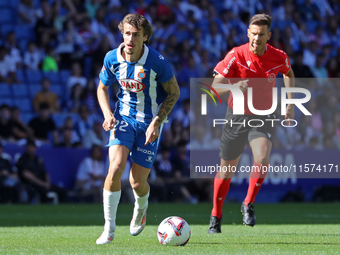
<point x="255" y="59"/>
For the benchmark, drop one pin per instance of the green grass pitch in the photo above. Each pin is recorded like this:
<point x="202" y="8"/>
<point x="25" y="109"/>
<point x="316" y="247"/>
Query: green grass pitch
<point x="73" y="229"/>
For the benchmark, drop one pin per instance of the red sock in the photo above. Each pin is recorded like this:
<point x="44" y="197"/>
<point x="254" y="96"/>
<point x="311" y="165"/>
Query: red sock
<point x="221" y="188"/>
<point x="255" y="182"/>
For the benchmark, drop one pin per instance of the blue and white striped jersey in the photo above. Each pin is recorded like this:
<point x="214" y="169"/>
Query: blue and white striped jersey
<point x="140" y="93"/>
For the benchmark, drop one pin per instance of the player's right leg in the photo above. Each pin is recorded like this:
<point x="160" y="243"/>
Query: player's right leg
<point x="221" y="188"/>
<point x="112" y="190"/>
<point x="233" y="141"/>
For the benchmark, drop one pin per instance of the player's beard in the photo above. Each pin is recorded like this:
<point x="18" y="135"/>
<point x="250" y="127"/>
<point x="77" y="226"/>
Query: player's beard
<point x="129" y="52"/>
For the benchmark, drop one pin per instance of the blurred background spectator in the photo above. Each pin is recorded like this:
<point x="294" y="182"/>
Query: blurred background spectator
<point x="46" y="96"/>
<point x="32" y="173"/>
<point x="91" y="175"/>
<point x="10" y="186"/>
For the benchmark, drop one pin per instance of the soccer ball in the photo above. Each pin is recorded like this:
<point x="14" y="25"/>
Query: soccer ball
<point x="174" y="231"/>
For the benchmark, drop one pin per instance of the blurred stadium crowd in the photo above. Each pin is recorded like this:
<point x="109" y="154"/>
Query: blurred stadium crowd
<point x="52" y="51"/>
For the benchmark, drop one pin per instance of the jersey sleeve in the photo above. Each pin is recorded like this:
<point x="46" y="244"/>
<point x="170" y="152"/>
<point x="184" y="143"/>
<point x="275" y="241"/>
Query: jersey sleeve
<point x="106" y="76"/>
<point x="165" y="72"/>
<point x="226" y="67"/>
<point x="286" y="63"/>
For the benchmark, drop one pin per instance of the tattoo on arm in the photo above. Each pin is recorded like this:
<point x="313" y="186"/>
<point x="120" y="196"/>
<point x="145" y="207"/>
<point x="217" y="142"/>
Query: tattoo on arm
<point x="171" y="87"/>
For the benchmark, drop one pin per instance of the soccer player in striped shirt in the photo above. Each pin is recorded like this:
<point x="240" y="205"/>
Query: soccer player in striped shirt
<point x="148" y="90"/>
<point x="255" y="59"/>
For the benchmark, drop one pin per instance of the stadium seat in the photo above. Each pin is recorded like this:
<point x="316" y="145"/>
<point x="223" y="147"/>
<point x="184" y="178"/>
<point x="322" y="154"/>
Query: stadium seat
<point x="23" y="45"/>
<point x="33" y="76"/>
<point x="57" y="89"/>
<point x="21" y="76"/>
<point x="182" y="35"/>
<point x="36" y="3"/>
<point x="20" y="90"/>
<point x="64" y="75"/>
<point x="6" y="28"/>
<point x="7" y="101"/>
<point x="24" y="32"/>
<point x="185" y="93"/>
<point x="5" y="90"/>
<point x="33" y="89"/>
<point x="52" y="76"/>
<point x="24" y="104"/>
<point x="5" y="4"/>
<point x="14" y="3"/>
<point x="59" y="119"/>
<point x="26" y="117"/>
<point x="311" y="25"/>
<point x="6" y="16"/>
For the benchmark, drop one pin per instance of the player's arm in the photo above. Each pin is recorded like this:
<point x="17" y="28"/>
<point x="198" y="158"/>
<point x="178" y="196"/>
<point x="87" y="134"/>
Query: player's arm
<point x="220" y="79"/>
<point x="171" y="87"/>
<point x="104" y="102"/>
<point x="289" y="81"/>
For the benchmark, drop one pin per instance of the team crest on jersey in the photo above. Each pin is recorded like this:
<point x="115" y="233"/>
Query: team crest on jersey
<point x="131" y="85"/>
<point x="271" y="77"/>
<point x="141" y="74"/>
<point x="248" y="63"/>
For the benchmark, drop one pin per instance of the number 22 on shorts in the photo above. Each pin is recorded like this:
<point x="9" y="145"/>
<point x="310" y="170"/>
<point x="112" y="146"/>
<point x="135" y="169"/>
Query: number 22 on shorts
<point x="122" y="124"/>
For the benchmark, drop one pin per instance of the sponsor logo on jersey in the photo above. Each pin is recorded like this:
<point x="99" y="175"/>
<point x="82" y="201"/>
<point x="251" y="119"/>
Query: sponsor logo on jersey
<point x="103" y="69"/>
<point x="131" y="85"/>
<point x="161" y="57"/>
<point x="287" y="64"/>
<point x="226" y="70"/>
<point x="271" y="77"/>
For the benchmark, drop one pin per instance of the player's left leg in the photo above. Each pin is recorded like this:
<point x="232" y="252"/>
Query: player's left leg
<point x="141" y="191"/>
<point x="143" y="157"/>
<point x="261" y="148"/>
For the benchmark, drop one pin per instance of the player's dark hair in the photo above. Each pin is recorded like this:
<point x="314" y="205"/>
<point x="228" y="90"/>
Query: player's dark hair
<point x="261" y="20"/>
<point x="139" y="22"/>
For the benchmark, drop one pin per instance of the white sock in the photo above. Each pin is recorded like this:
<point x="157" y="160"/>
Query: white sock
<point x="140" y="202"/>
<point x="110" y="204"/>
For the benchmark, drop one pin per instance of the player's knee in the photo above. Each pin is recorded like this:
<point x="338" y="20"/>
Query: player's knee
<point x="261" y="158"/>
<point x="225" y="176"/>
<point x="136" y="185"/>
<point x="116" y="167"/>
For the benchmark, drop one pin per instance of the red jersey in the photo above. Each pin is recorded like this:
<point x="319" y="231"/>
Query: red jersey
<point x="240" y="62"/>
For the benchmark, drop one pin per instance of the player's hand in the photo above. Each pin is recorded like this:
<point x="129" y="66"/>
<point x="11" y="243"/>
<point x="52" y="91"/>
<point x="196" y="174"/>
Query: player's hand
<point x="109" y="123"/>
<point x="151" y="133"/>
<point x="289" y="114"/>
<point x="243" y="85"/>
